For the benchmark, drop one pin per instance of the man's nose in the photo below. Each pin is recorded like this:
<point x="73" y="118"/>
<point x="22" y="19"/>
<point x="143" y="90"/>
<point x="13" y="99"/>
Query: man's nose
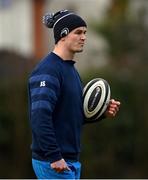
<point x="83" y="37"/>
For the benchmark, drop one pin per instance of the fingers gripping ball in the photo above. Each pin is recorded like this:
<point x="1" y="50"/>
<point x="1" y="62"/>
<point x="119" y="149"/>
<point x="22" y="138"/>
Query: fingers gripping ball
<point x="96" y="97"/>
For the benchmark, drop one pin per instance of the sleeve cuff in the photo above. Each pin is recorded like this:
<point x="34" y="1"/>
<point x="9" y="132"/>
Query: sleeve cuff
<point x="53" y="157"/>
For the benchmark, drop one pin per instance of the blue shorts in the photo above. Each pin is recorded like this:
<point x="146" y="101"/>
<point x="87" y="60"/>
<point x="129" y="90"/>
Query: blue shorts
<point x="43" y="170"/>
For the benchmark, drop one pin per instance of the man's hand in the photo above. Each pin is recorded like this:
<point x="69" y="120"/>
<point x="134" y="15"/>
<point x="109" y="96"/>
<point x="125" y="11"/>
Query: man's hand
<point x="112" y="108"/>
<point x="60" y="166"/>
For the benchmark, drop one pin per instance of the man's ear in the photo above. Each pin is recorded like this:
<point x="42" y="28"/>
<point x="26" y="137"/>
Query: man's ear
<point x="63" y="38"/>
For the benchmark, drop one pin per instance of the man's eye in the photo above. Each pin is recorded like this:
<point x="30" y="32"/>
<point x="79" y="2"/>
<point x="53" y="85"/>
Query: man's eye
<point x="78" y="32"/>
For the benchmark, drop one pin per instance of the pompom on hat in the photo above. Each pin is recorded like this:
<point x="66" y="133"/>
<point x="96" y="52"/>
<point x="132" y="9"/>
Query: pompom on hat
<point x="62" y="22"/>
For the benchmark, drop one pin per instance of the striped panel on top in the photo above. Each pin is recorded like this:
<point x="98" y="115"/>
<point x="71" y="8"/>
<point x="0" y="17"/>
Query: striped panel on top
<point x="44" y="91"/>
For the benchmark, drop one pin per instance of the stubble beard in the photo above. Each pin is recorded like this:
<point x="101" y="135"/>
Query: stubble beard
<point x="79" y="50"/>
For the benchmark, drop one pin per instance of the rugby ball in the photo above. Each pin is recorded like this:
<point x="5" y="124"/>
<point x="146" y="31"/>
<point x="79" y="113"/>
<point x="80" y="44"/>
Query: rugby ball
<point x="96" y="97"/>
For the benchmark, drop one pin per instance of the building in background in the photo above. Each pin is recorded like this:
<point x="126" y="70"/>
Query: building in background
<point x="16" y="26"/>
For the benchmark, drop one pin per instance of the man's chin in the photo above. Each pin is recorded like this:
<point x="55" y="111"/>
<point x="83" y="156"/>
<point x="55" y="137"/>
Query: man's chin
<point x="79" y="51"/>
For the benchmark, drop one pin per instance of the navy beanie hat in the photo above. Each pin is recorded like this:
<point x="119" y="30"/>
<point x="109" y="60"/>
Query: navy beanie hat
<point x="62" y="23"/>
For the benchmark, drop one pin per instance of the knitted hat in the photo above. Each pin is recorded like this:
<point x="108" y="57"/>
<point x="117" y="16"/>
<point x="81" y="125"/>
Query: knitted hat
<point x="62" y="23"/>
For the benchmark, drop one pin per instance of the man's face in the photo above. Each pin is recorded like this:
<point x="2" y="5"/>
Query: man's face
<point x="75" y="40"/>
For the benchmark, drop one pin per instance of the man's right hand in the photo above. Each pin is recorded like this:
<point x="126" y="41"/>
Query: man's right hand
<point x="60" y="166"/>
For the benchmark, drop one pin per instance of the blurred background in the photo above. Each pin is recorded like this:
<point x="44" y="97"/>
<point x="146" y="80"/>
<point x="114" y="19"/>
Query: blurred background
<point x="116" y="50"/>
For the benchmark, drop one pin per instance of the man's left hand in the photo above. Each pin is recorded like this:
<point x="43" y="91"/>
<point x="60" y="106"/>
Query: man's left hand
<point x="112" y="108"/>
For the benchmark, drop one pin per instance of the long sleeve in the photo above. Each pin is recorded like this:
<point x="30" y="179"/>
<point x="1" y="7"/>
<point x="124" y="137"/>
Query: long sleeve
<point x="44" y="90"/>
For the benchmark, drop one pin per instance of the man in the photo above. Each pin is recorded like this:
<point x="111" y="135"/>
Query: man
<point x="55" y="95"/>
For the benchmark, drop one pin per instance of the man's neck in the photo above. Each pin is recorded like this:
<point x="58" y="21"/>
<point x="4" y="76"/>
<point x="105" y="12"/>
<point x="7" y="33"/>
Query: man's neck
<point x="64" y="54"/>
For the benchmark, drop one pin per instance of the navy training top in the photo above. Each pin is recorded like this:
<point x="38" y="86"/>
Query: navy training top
<point x="55" y="108"/>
